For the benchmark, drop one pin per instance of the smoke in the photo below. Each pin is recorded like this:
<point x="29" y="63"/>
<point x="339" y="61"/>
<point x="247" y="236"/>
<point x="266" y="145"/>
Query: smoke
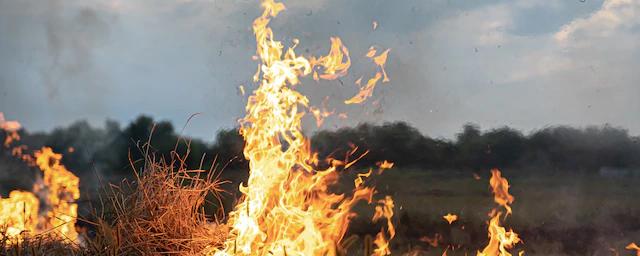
<point x="72" y="37"/>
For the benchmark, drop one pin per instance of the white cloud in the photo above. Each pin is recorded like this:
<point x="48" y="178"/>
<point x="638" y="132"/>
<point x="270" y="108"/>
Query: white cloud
<point x="614" y="15"/>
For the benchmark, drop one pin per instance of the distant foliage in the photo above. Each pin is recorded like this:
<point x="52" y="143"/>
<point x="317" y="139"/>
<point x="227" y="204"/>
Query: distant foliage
<point x="552" y="148"/>
<point x="108" y="150"/>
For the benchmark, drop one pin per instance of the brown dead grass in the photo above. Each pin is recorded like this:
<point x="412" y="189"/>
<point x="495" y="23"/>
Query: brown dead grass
<point x="162" y="212"/>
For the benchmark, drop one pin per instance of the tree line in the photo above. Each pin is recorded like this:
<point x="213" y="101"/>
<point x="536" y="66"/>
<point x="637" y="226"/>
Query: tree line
<point x="112" y="150"/>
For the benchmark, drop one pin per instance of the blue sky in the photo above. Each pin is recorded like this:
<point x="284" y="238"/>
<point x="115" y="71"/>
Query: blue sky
<point x="522" y="63"/>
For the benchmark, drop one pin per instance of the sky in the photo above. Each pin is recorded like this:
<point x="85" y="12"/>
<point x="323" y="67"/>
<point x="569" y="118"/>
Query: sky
<point x="526" y="64"/>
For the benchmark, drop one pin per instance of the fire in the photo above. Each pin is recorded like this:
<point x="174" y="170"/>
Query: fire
<point x="500" y="187"/>
<point x="22" y="213"/>
<point x="367" y="91"/>
<point x="634" y="246"/>
<point x="385" y="165"/>
<point x="19" y="213"/>
<point x="384" y="210"/>
<point x="450" y="217"/>
<point x="500" y="240"/>
<point x="62" y="191"/>
<point x="11" y="129"/>
<point x="8" y="126"/>
<point x="287" y="208"/>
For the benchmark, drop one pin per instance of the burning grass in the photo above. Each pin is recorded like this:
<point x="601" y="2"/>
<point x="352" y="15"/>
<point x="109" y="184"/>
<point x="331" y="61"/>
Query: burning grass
<point x="160" y="211"/>
<point x="38" y="245"/>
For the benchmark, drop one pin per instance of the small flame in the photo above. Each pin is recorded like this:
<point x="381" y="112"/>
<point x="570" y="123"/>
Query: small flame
<point x="359" y="180"/>
<point x="367" y="91"/>
<point x="335" y="64"/>
<point x="500" y="240"/>
<point x="241" y="89"/>
<point x="384" y="210"/>
<point x="385" y="165"/>
<point x="381" y="60"/>
<point x="11" y="129"/>
<point x="450" y="217"/>
<point x="8" y="126"/>
<point x="634" y="246"/>
<point x="500" y="187"/>
<point x="372" y="52"/>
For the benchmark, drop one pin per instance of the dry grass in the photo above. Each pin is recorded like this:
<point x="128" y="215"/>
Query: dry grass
<point x="38" y="245"/>
<point x="162" y="212"/>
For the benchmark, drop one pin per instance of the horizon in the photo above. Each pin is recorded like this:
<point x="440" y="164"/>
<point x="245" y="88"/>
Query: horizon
<point x="314" y="130"/>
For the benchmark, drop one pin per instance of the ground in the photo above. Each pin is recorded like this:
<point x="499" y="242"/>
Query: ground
<point x="556" y="214"/>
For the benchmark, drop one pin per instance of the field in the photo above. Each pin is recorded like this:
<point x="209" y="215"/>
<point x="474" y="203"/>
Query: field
<point x="555" y="214"/>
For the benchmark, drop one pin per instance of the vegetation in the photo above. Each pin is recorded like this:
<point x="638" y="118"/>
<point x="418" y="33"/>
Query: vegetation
<point x="107" y="151"/>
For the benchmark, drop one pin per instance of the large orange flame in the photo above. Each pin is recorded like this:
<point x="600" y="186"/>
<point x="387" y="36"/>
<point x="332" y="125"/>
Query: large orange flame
<point x="21" y="213"/>
<point x="500" y="240"/>
<point x="287" y="208"/>
<point x="62" y="191"/>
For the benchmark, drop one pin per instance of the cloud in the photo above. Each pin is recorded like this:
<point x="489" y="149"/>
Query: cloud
<point x="614" y="15"/>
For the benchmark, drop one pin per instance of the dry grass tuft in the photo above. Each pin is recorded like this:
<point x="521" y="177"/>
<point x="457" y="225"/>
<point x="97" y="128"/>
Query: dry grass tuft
<point x="161" y="212"/>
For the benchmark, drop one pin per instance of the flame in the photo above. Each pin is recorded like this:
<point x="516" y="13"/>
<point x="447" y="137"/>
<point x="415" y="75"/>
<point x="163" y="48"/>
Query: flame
<point x="10" y="128"/>
<point x="334" y="63"/>
<point x="500" y="187"/>
<point x="384" y="210"/>
<point x="62" y="192"/>
<point x="372" y="52"/>
<point x="359" y="180"/>
<point x="22" y="213"/>
<point x="634" y="246"/>
<point x="385" y="165"/>
<point x="19" y="213"/>
<point x="500" y="240"/>
<point x="450" y="217"/>
<point x="366" y="91"/>
<point x="287" y="208"/>
<point x="321" y="113"/>
<point x="381" y="60"/>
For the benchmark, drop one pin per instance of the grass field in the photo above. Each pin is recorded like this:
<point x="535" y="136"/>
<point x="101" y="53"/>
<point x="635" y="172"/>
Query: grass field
<point x="557" y="214"/>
